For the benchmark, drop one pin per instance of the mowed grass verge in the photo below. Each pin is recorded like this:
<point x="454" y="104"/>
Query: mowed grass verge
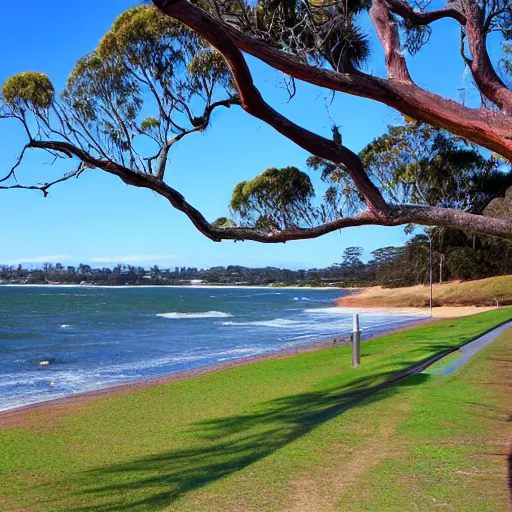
<point x="481" y="292"/>
<point x="266" y="436"/>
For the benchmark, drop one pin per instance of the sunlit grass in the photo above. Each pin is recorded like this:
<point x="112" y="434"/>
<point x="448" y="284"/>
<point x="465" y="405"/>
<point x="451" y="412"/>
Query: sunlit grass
<point x="239" y="439"/>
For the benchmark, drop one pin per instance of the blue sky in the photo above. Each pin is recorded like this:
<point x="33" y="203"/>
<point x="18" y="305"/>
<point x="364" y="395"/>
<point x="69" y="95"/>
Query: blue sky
<point x="99" y="220"/>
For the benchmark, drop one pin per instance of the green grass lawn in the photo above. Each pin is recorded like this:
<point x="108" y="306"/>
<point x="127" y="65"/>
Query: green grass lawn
<point x="301" y="433"/>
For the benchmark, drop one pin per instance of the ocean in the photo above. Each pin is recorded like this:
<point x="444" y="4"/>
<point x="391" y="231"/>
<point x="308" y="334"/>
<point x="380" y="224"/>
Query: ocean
<point x="95" y="337"/>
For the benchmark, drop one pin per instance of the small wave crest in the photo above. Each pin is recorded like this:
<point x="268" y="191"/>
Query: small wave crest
<point x="375" y="313"/>
<point x="278" y="322"/>
<point x="174" y="315"/>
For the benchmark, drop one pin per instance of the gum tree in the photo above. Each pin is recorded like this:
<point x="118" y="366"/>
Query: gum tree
<point x="178" y="54"/>
<point x="149" y="83"/>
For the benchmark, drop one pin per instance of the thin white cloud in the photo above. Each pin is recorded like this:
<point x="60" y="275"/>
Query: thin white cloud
<point x="52" y="258"/>
<point x="133" y="258"/>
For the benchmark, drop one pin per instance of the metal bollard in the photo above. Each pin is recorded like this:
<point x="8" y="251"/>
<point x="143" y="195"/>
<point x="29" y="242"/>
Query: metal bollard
<point x="356" y="342"/>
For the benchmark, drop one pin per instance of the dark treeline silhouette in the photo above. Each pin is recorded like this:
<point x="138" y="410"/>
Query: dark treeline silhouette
<point x="455" y="255"/>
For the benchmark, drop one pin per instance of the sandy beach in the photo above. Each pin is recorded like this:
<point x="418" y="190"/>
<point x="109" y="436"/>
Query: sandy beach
<point x="437" y="312"/>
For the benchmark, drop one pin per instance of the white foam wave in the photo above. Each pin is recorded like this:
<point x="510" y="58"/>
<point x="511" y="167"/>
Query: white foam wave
<point x="63" y="326"/>
<point x="174" y="315"/>
<point x="278" y="322"/>
<point x="371" y="312"/>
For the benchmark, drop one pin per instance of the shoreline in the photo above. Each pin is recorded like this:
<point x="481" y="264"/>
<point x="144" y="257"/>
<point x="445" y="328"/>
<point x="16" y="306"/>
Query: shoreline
<point x="198" y="286"/>
<point x="20" y="415"/>
<point x="438" y="312"/>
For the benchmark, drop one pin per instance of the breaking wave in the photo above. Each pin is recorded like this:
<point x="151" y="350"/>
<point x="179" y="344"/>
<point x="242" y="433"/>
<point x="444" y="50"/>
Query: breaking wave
<point x="207" y="314"/>
<point x="278" y="322"/>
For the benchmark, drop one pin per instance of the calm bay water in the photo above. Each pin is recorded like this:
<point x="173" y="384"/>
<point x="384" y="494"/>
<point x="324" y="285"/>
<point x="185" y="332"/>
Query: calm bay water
<point x="99" y="336"/>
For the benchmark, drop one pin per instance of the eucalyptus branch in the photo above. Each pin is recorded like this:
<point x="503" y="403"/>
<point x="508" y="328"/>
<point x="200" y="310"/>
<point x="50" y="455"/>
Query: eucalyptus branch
<point x="479" y="126"/>
<point x="253" y="103"/>
<point x="199" y="123"/>
<point x="46" y="186"/>
<point x="11" y="173"/>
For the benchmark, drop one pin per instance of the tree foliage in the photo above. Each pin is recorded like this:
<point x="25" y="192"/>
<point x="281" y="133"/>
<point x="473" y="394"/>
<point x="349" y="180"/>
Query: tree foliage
<point x="161" y="71"/>
<point x="412" y="163"/>
<point x="138" y="89"/>
<point x="419" y="164"/>
<point x="321" y="31"/>
<point x="275" y="199"/>
<point x="28" y="90"/>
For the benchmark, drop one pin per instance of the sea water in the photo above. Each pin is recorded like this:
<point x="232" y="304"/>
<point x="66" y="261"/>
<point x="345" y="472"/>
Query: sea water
<point x="95" y="337"/>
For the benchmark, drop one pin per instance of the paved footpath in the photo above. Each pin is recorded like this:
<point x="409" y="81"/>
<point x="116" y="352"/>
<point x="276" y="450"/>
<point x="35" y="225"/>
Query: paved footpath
<point x="465" y="353"/>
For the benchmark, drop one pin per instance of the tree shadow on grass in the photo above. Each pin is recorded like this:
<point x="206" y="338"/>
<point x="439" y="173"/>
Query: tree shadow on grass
<point x="224" y="446"/>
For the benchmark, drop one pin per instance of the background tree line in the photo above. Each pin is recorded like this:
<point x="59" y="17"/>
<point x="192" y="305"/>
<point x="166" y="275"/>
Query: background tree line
<point x="456" y="254"/>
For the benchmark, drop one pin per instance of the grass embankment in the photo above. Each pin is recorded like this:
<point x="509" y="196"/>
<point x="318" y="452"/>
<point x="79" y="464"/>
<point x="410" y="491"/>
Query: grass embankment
<point x="482" y="292"/>
<point x="300" y="433"/>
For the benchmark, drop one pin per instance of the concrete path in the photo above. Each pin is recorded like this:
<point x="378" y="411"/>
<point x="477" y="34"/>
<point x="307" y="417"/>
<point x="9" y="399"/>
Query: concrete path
<point x="461" y="356"/>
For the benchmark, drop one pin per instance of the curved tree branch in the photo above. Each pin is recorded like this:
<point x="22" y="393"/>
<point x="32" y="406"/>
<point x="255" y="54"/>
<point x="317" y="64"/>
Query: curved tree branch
<point x="44" y="187"/>
<point x="483" y="127"/>
<point x="484" y="74"/>
<point x="404" y="10"/>
<point x="253" y="103"/>
<point x="471" y="17"/>
<point x="12" y="172"/>
<point x="199" y="123"/>
<point x="395" y="215"/>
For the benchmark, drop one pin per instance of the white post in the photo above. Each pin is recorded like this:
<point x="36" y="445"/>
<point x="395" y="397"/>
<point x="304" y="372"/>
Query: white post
<point x="356" y="342"/>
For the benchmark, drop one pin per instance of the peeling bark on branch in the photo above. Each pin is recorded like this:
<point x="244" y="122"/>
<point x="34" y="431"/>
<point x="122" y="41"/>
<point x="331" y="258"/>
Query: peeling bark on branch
<point x="387" y="30"/>
<point x="253" y="103"/>
<point x="484" y="74"/>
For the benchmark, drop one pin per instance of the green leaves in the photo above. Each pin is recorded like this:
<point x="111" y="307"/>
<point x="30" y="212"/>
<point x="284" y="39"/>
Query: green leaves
<point x="506" y="61"/>
<point x="150" y="82"/>
<point x="209" y="65"/>
<point x="29" y="89"/>
<point x="341" y="197"/>
<point x="501" y="207"/>
<point x="275" y="199"/>
<point x="223" y="222"/>
<point x="142" y="25"/>
<point x="149" y="123"/>
<point x="419" y="164"/>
